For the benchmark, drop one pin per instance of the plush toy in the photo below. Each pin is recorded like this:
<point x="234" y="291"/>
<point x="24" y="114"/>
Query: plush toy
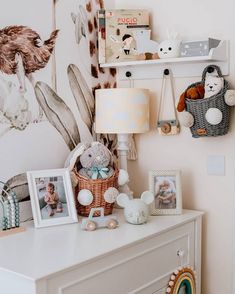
<point x="194" y="93"/>
<point x="96" y="162"/>
<point x="170" y="48"/>
<point x="213" y="85"/>
<point x="136" y="211"/>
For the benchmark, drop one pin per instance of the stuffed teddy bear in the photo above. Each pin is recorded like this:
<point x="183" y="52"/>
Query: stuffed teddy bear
<point x="196" y="92"/>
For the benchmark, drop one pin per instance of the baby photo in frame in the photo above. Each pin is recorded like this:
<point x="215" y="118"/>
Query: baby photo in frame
<point x="166" y="188"/>
<point x="51" y="197"/>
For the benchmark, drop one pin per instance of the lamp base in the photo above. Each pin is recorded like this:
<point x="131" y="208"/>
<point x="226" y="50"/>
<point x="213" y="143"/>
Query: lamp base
<point x="123" y="153"/>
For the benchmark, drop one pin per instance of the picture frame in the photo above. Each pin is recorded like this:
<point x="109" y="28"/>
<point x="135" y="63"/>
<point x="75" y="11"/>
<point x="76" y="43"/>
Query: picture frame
<point x="166" y="188"/>
<point x="51" y="197"/>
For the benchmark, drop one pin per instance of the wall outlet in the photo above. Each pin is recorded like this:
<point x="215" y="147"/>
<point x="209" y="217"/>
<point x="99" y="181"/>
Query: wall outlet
<point x="216" y="165"/>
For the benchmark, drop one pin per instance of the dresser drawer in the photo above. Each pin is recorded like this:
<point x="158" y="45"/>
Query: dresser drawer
<point x="142" y="267"/>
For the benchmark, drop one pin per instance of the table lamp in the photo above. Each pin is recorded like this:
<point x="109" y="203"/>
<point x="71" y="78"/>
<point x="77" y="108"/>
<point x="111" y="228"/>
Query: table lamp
<point x="122" y="111"/>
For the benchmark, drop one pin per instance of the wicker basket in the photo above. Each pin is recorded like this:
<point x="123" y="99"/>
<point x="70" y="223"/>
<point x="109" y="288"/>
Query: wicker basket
<point x="198" y="109"/>
<point x="97" y="188"/>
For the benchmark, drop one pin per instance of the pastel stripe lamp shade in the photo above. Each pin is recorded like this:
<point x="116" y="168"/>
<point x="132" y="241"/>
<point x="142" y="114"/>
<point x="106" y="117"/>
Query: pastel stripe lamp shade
<point x="122" y="111"/>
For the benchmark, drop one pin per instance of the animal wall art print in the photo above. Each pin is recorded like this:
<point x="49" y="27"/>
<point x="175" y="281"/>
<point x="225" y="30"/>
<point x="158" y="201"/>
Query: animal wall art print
<point x="22" y="53"/>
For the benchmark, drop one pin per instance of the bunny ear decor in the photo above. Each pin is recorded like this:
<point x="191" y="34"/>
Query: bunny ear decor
<point x="82" y="94"/>
<point x="74" y="155"/>
<point x="58" y="114"/>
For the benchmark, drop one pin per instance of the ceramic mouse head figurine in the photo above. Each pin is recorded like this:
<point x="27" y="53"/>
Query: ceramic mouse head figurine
<point x="136" y="211"/>
<point x="169" y="48"/>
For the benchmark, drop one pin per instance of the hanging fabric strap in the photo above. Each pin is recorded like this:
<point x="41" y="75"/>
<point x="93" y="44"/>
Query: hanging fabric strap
<point x="167" y="127"/>
<point x="166" y="73"/>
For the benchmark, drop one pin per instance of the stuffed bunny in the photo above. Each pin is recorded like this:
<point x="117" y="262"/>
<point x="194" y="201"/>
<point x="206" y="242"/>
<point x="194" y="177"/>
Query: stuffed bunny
<point x="96" y="162"/>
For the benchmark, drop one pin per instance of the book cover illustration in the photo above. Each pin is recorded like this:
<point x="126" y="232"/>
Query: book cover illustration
<point x="127" y="36"/>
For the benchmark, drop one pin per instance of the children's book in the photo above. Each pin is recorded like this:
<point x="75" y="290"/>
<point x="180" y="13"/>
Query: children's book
<point x="101" y="36"/>
<point x="123" y="30"/>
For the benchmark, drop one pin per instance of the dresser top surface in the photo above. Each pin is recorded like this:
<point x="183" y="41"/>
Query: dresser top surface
<point x="37" y="253"/>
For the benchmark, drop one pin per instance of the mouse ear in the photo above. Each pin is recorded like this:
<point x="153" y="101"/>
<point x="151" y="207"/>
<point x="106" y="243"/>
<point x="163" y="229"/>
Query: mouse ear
<point x="147" y="197"/>
<point x="122" y="199"/>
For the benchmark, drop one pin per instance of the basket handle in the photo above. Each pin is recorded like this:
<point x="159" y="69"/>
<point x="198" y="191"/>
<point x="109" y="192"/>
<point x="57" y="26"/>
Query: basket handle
<point x="209" y="69"/>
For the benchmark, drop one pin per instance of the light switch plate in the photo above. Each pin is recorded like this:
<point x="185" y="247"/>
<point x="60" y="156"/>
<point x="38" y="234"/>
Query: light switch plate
<point x="216" y="165"/>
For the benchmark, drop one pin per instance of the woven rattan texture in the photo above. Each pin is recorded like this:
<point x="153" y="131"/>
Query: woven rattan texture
<point x="97" y="188"/>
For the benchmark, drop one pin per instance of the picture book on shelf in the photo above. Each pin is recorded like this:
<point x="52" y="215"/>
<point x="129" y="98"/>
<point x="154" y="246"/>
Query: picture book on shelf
<point x="124" y="35"/>
<point x="101" y="35"/>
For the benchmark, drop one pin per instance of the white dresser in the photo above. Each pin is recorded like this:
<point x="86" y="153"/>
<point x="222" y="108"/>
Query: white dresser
<point x="130" y="259"/>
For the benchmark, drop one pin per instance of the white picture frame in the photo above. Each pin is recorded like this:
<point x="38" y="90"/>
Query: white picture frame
<point x="166" y="188"/>
<point x="62" y="208"/>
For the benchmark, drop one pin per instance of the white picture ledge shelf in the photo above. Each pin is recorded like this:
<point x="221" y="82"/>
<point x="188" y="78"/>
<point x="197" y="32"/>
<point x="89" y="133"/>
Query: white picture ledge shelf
<point x="180" y="67"/>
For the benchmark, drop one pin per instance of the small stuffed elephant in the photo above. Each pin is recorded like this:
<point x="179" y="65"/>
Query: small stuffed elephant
<point x="96" y="162"/>
<point x="136" y="211"/>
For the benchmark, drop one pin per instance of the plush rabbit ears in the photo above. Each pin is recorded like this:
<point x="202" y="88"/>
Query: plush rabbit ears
<point x="73" y="155"/>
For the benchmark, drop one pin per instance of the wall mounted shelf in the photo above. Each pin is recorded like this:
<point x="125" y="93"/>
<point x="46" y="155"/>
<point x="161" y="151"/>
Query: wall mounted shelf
<point x="180" y="67"/>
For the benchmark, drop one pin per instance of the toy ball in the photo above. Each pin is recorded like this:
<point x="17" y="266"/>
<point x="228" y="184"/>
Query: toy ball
<point x="214" y="116"/>
<point x="169" y="49"/>
<point x="186" y="119"/>
<point x="85" y="197"/>
<point x="123" y="177"/>
<point x="230" y="97"/>
<point x="110" y="195"/>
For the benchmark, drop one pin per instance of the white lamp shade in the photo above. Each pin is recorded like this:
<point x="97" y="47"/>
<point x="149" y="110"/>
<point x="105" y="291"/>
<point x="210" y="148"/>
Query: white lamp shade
<point x="122" y="111"/>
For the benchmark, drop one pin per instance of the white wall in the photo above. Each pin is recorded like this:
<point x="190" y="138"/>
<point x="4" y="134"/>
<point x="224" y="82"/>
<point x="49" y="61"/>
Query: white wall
<point x="212" y="194"/>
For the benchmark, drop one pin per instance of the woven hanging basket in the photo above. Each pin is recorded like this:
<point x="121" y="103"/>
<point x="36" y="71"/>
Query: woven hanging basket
<point x="198" y="109"/>
<point x="97" y="188"/>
